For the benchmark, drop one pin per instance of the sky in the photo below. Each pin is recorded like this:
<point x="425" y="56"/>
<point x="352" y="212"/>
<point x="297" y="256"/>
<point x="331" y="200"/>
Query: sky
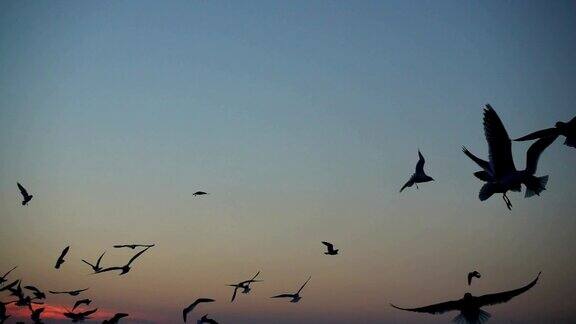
<point x="302" y="119"/>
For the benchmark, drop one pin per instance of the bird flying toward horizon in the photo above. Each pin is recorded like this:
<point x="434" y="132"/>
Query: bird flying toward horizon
<point x="25" y="196"/>
<point x="295" y="297"/>
<point x="96" y="267"/>
<point x="419" y="176"/>
<point x="470" y="306"/>
<point x="205" y="320"/>
<point x="69" y="292"/>
<point x="330" y="247"/>
<point x="115" y="319"/>
<point x="473" y="274"/>
<point x="245" y="285"/>
<point x="193" y="305"/>
<point x="567" y="130"/>
<point x="125" y="268"/>
<point x="61" y="260"/>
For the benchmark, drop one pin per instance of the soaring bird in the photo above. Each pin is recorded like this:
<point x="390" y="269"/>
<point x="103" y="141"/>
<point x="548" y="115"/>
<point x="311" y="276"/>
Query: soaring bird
<point x="3" y="278"/>
<point x="35" y="316"/>
<point x="199" y="193"/>
<point x="132" y="246"/>
<point x="330" y="247"/>
<point x="125" y="268"/>
<point x="206" y="320"/>
<point x="80" y="317"/>
<point x="245" y="285"/>
<point x="419" y="176"/>
<point x="469" y="306"/>
<point x="561" y="128"/>
<point x="38" y="294"/>
<point x="295" y="297"/>
<point x="96" y="267"/>
<point x="70" y="292"/>
<point x="115" y="319"/>
<point x="61" y="257"/>
<point x="25" y="196"/>
<point x="193" y="305"/>
<point x="81" y="302"/>
<point x="473" y="274"/>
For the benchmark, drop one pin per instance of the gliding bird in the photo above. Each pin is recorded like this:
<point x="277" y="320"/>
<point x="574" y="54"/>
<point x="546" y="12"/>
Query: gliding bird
<point x="295" y="297"/>
<point x="419" y="176"/>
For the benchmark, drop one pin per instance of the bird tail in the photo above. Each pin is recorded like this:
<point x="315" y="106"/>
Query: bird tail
<point x="535" y="185"/>
<point x="570" y="141"/>
<point x="486" y="191"/>
<point x="477" y="318"/>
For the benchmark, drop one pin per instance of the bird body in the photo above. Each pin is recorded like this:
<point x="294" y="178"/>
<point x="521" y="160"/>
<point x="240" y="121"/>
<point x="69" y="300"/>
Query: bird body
<point x="419" y="176"/>
<point x="25" y="196"/>
<point x="330" y="248"/>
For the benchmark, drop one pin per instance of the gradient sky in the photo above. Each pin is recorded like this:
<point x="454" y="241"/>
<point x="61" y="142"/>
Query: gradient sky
<point x="302" y="119"/>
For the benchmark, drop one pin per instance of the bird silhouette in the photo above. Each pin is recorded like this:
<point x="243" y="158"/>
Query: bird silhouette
<point x="25" y="196"/>
<point x="567" y="130"/>
<point x="61" y="257"/>
<point x="125" y="268"/>
<point x="470" y="306"/>
<point x="193" y="305"/>
<point x="330" y="247"/>
<point x="96" y="267"/>
<point x="115" y="319"/>
<point x="3" y="278"/>
<point x="419" y="176"/>
<point x="132" y="246"/>
<point x="205" y="320"/>
<point x="10" y="287"/>
<point x="81" y="302"/>
<point x="244" y="285"/>
<point x="35" y="316"/>
<point x="38" y="294"/>
<point x="199" y="193"/>
<point x="69" y="292"/>
<point x="81" y="316"/>
<point x="295" y="297"/>
<point x="3" y="314"/>
<point x="473" y="274"/>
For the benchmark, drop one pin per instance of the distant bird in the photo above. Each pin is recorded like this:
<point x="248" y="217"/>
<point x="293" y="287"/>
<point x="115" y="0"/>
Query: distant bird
<point x="244" y="285"/>
<point x="81" y="302"/>
<point x="125" y="268"/>
<point x="25" y="196"/>
<point x="3" y="278"/>
<point x="199" y="193"/>
<point x="61" y="257"/>
<point x="561" y="128"/>
<point x="133" y="246"/>
<point x="473" y="274"/>
<point x="206" y="320"/>
<point x="80" y="317"/>
<point x="419" y="176"/>
<point x="115" y="319"/>
<point x="193" y="305"/>
<point x="96" y="267"/>
<point x="35" y="316"/>
<point x="70" y="292"/>
<point x="295" y="297"/>
<point x="330" y="247"/>
<point x="37" y="293"/>
<point x="469" y="306"/>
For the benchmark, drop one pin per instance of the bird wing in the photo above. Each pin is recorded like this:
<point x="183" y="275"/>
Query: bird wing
<point x="304" y="285"/>
<point x="120" y="246"/>
<point x="118" y="316"/>
<point x="10" y="285"/>
<point x="409" y="183"/>
<point x="256" y="275"/>
<point x="63" y="254"/>
<point x="22" y="189"/>
<point x="420" y="164"/>
<point x="533" y="153"/>
<point x="470" y="278"/>
<point x="137" y="255"/>
<point x="203" y="300"/>
<point x="87" y="313"/>
<point x="538" y="134"/>
<point x="57" y="292"/>
<point x="499" y="144"/>
<point x="78" y="291"/>
<point x="485" y="165"/>
<point x="283" y="296"/>
<point x="330" y="246"/>
<point x="234" y="294"/>
<point x="439" y="308"/>
<point x="498" y="298"/>
<point x="32" y="288"/>
<point x="109" y="269"/>
<point x="7" y="273"/>
<point x="100" y="259"/>
<point x="88" y="263"/>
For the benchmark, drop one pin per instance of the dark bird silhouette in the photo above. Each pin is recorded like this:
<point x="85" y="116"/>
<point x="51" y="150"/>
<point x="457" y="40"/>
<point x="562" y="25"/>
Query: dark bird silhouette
<point x="330" y="247"/>
<point x="561" y="128"/>
<point x="199" y="193"/>
<point x="419" y="176"/>
<point x="125" y="268"/>
<point x="25" y="196"/>
<point x="81" y="316"/>
<point x="70" y="292"/>
<point x="295" y="297"/>
<point x="10" y="287"/>
<point x="35" y="316"/>
<point x="193" y="305"/>
<point x="115" y="319"/>
<point x="470" y="306"/>
<point x="206" y="320"/>
<point x="81" y="302"/>
<point x="3" y="315"/>
<point x="96" y="267"/>
<point x="133" y="246"/>
<point x="38" y="294"/>
<point x="473" y="274"/>
<point x="3" y="278"/>
<point x="61" y="257"/>
<point x="244" y="285"/>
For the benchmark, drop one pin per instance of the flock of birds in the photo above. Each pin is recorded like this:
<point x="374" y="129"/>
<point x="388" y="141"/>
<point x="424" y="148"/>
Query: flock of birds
<point x="498" y="172"/>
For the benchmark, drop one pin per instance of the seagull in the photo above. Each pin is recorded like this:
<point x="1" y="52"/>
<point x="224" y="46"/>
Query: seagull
<point x="37" y="293"/>
<point x="96" y="267"/>
<point x="115" y="319"/>
<point x="419" y="176"/>
<point x="126" y="268"/>
<point x="561" y="128"/>
<point x="61" y="258"/>
<point x="80" y="317"/>
<point x="245" y="285"/>
<point x="3" y="278"/>
<point x="133" y="246"/>
<point x="206" y="320"/>
<point x="193" y="305"/>
<point x="330" y="247"/>
<point x="199" y="193"/>
<point x="469" y="306"/>
<point x="25" y="196"/>
<point x="295" y="297"/>
<point x="71" y="292"/>
<point x="35" y="317"/>
<point x="473" y="274"/>
<point x="81" y="302"/>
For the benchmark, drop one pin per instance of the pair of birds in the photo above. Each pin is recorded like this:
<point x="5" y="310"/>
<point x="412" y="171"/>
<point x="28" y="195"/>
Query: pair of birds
<point x="123" y="269"/>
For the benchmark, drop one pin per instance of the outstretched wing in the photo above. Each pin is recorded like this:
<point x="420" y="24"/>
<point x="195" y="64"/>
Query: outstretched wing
<point x="283" y="296"/>
<point x="409" y="183"/>
<point x="100" y="259"/>
<point x="118" y="316"/>
<point x="22" y="190"/>
<point x="498" y="298"/>
<point x="109" y="269"/>
<point x="137" y="255"/>
<point x="538" y="134"/>
<point x="304" y="285"/>
<point x="439" y="308"/>
<point x="499" y="144"/>
<point x="234" y="294"/>
<point x="330" y="246"/>
<point x="88" y="263"/>
<point x="87" y="313"/>
<point x="420" y="164"/>
<point x="535" y="150"/>
<point x="7" y="273"/>
<point x="63" y="254"/>
<point x="485" y="165"/>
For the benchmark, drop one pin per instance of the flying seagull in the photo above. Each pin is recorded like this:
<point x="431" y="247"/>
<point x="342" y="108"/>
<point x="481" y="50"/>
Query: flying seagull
<point x="70" y="292"/>
<point x="245" y="285"/>
<point x="3" y="278"/>
<point x="80" y="317"/>
<point x="132" y="246"/>
<point x="193" y="305"/>
<point x="38" y="294"/>
<point x="125" y="268"/>
<point x="96" y="267"/>
<point x="81" y="302"/>
<point x="470" y="306"/>
<point x="115" y="319"/>
<point x="473" y="274"/>
<point x="206" y="320"/>
<point x="295" y="297"/>
<point x="25" y="196"/>
<point x="561" y="128"/>
<point x="419" y="176"/>
<point x="35" y="316"/>
<point x="330" y="247"/>
<point x="61" y="257"/>
<point x="199" y="193"/>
